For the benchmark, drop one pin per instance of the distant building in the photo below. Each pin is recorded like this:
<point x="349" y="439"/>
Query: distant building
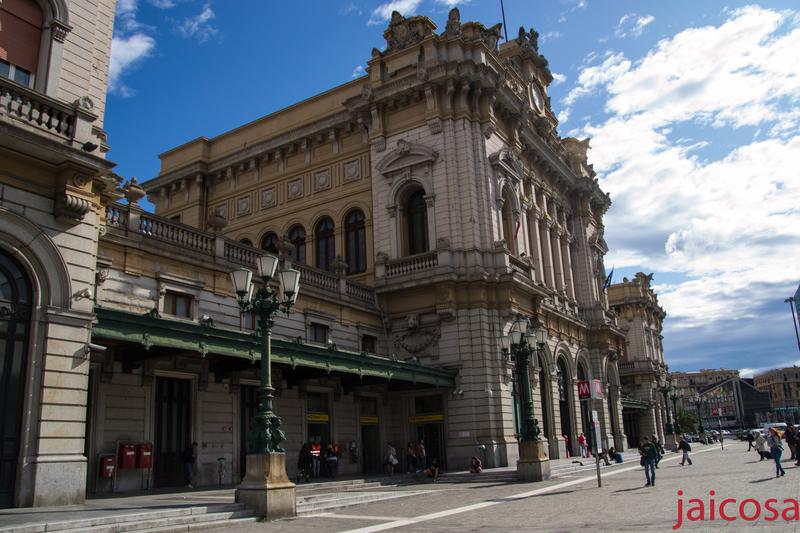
<point x="642" y="366"/>
<point x="687" y="384"/>
<point x="734" y="403"/>
<point x="782" y="384"/>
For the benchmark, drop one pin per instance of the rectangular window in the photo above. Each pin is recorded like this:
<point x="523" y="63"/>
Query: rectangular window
<point x="178" y="304"/>
<point x="319" y="333"/>
<point x="18" y="74"/>
<point x="22" y="76"/>
<point x="369" y="344"/>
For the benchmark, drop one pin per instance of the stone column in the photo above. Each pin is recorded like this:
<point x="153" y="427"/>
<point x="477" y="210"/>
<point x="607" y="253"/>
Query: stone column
<point x="566" y="244"/>
<point x="536" y="244"/>
<point x="547" y="258"/>
<point x="558" y="264"/>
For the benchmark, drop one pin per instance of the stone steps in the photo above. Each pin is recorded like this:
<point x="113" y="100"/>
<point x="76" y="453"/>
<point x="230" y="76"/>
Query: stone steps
<point x="166" y="520"/>
<point x="315" y="504"/>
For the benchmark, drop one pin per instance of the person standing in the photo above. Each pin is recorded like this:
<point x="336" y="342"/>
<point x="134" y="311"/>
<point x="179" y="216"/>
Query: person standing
<point x="305" y="463"/>
<point x="189" y="461"/>
<point x="761" y="446"/>
<point x="422" y="456"/>
<point x="391" y="458"/>
<point x="776" y="449"/>
<point x="684" y="446"/>
<point x="750" y="441"/>
<point x="791" y="440"/>
<point x="411" y="459"/>
<point x="582" y="445"/>
<point x="566" y="445"/>
<point x="649" y="453"/>
<point x="316" y="456"/>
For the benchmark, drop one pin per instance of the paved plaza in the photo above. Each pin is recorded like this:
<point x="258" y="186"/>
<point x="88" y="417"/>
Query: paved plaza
<point x="576" y="503"/>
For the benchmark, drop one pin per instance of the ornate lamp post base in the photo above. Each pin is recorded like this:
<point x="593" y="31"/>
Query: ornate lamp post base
<point x="266" y="488"/>
<point x="533" y="464"/>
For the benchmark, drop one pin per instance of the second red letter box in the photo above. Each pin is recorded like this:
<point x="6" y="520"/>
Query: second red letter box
<point x="127" y="456"/>
<point x="144" y="455"/>
<point x="107" y="466"/>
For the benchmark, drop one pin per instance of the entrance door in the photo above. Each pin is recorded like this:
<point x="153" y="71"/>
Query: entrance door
<point x="248" y="407"/>
<point x="173" y="430"/>
<point x="433" y="435"/>
<point x="630" y="422"/>
<point x="371" y="449"/>
<point x="15" y="312"/>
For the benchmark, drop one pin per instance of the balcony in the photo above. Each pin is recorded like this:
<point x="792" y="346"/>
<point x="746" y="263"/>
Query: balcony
<point x="35" y="112"/>
<point x="633" y="368"/>
<point x="134" y="224"/>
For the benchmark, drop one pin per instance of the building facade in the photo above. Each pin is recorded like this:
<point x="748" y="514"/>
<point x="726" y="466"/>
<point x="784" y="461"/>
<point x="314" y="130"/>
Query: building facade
<point x="440" y="181"/>
<point x="642" y="370"/>
<point x="54" y="179"/>
<point x="782" y="384"/>
<point x="427" y="205"/>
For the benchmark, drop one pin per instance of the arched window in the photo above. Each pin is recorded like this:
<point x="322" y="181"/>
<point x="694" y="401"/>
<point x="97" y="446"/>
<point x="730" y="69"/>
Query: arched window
<point x="246" y="241"/>
<point x="416" y="214"/>
<point x="15" y="302"/>
<point x="355" y="242"/>
<point x="20" y="38"/>
<point x="270" y="242"/>
<point x="325" y="245"/>
<point x="297" y="236"/>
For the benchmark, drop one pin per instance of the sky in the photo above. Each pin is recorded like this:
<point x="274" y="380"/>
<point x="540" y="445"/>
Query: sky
<point x="691" y="107"/>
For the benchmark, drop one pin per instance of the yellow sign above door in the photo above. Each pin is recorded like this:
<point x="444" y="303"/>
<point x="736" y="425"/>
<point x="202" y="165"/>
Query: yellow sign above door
<point x="438" y="417"/>
<point x="368" y="419"/>
<point x="318" y="417"/>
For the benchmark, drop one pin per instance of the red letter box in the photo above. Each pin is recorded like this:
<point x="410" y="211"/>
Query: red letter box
<point x="107" y="466"/>
<point x="127" y="456"/>
<point x="144" y="455"/>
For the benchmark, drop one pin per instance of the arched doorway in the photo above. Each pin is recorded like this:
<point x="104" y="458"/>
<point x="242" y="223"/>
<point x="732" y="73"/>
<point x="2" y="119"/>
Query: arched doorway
<point x="564" y="400"/>
<point x="15" y="313"/>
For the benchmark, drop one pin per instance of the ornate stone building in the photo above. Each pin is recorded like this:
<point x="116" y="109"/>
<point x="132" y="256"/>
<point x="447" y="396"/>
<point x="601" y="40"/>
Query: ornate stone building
<point x="439" y="181"/>
<point x="642" y="369"/>
<point x="783" y="386"/>
<point x="53" y="64"/>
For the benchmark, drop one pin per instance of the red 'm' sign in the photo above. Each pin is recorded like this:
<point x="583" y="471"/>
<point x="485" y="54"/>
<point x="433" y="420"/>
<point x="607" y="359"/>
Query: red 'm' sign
<point x="584" y="390"/>
<point x="590" y="389"/>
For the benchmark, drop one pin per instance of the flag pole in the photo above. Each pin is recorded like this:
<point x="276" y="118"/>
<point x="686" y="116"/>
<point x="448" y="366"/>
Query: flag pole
<point x="503" y="11"/>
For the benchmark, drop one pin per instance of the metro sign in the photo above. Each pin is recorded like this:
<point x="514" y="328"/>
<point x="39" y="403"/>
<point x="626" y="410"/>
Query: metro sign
<point x="590" y="389"/>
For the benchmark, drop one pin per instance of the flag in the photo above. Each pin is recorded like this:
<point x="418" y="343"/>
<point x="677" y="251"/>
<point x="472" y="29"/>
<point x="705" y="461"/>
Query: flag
<point x="607" y="284"/>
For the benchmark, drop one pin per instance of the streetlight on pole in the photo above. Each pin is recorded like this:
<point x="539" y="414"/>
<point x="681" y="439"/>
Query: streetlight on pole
<point x="675" y="425"/>
<point x="521" y="342"/>
<point x="664" y="388"/>
<point x="266" y="487"/>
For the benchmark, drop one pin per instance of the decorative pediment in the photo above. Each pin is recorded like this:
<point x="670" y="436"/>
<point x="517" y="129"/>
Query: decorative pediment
<point x="405" y="156"/>
<point x="507" y="164"/>
<point x="404" y="32"/>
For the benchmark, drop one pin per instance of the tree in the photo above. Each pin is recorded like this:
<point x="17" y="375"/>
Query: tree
<point x="686" y="421"/>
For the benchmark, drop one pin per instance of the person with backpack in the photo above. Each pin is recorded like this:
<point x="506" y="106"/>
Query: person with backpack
<point x="649" y="453"/>
<point x="684" y="446"/>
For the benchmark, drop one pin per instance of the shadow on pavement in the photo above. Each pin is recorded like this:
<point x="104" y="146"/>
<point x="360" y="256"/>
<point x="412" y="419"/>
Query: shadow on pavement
<point x="763" y="480"/>
<point x="631" y="489"/>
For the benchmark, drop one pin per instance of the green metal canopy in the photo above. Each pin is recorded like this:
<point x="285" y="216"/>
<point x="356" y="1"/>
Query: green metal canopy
<point x="633" y="403"/>
<point x="150" y="330"/>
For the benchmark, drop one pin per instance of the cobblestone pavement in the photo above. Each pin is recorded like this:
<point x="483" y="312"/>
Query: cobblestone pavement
<point x="577" y="504"/>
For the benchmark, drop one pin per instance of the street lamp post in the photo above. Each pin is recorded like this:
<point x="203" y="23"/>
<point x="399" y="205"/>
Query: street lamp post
<point x="664" y="388"/>
<point x="521" y="342"/>
<point x="266" y="488"/>
<point x="675" y="424"/>
<point x="698" y="402"/>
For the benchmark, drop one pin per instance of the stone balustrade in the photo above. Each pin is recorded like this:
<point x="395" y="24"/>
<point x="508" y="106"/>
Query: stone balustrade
<point x="22" y="105"/>
<point x="412" y="264"/>
<point x="132" y="221"/>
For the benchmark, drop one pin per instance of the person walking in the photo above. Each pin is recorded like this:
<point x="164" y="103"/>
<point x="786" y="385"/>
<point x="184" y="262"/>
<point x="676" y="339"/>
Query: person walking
<point x="750" y="441"/>
<point x="659" y="448"/>
<point x="684" y="446"/>
<point x="776" y="449"/>
<point x="316" y="456"/>
<point x="761" y="447"/>
<point x="649" y="453"/>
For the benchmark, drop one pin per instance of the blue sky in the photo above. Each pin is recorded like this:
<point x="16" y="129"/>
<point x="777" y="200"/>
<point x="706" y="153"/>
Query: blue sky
<point x="692" y="108"/>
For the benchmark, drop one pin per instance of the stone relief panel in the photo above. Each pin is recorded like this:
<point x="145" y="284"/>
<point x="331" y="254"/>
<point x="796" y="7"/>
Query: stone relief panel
<point x="322" y="180"/>
<point x="243" y="206"/>
<point x="294" y="189"/>
<point x="268" y="198"/>
<point x="221" y="210"/>
<point x="352" y="170"/>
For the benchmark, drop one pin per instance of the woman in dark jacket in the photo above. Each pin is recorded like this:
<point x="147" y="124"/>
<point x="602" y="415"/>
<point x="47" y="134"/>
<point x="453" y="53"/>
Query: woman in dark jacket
<point x="305" y="462"/>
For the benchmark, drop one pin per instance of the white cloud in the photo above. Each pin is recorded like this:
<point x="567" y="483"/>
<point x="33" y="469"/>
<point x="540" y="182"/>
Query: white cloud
<point x="358" y="72"/>
<point x="199" y="26"/>
<point x="547" y="36"/>
<point x="632" y="25"/>
<point x="452" y="3"/>
<point x="126" y="52"/>
<point x="351" y="7"/>
<point x="558" y="78"/>
<point x="383" y="12"/>
<point x="162" y="4"/>
<point x="728" y="222"/>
